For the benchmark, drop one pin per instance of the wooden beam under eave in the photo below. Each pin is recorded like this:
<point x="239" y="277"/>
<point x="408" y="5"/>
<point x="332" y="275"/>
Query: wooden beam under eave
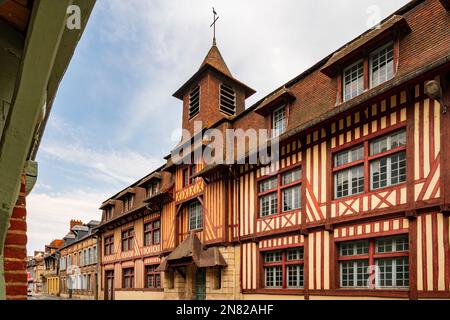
<point x="46" y="28"/>
<point x="445" y="4"/>
<point x="15" y="14"/>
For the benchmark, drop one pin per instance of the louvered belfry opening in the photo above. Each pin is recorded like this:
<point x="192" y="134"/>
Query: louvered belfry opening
<point x="227" y="100"/>
<point x="194" y="102"/>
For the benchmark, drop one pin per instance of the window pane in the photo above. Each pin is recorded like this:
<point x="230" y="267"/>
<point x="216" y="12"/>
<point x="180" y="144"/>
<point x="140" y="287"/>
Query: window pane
<point x="295" y="254"/>
<point x="294" y="276"/>
<point x="268" y="204"/>
<point x="347" y="274"/>
<point x="147" y="239"/>
<point x="379" y="171"/>
<point x="273" y="277"/>
<point x="361" y="273"/>
<point x="278" y="121"/>
<point x="292" y="176"/>
<point x="354" y="248"/>
<point x="349" y="181"/>
<point x="273" y="256"/>
<point x="156" y="236"/>
<point x="393" y="272"/>
<point x="387" y="171"/>
<point x="268" y="184"/>
<point x="195" y="216"/>
<point x="388" y="142"/>
<point x="398" y="168"/>
<point x="391" y="244"/>
<point x="348" y="156"/>
<point x="291" y="198"/>
<point x="382" y="65"/>
<point x="354" y="273"/>
<point x="353" y="81"/>
<point x="402" y="272"/>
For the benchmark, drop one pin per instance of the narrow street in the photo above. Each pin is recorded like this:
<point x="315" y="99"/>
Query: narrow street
<point x="44" y="297"/>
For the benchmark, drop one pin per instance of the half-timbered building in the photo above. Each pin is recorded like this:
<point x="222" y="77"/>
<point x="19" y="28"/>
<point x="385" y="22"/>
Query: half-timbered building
<point x="357" y="205"/>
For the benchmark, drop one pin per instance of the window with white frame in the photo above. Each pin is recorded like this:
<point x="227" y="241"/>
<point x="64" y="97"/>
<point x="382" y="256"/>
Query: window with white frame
<point x="390" y="258"/>
<point x="291" y="198"/>
<point x="391" y="169"/>
<point x="283" y="268"/>
<point x="268" y="205"/>
<point x="353" y="80"/>
<point x="268" y="200"/>
<point x="289" y="189"/>
<point x="348" y="156"/>
<point x="195" y="216"/>
<point x="279" y="121"/>
<point x="350" y="180"/>
<point x="381" y="65"/>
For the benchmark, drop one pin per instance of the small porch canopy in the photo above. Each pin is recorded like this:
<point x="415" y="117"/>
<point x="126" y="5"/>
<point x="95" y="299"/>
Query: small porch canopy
<point x="191" y="251"/>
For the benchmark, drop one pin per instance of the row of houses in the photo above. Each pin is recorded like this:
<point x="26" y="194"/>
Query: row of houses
<point x="68" y="268"/>
<point x="357" y="204"/>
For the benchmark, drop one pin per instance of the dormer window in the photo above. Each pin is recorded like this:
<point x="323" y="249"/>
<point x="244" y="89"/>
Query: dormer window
<point x="381" y="65"/>
<point x="109" y="212"/>
<point x="194" y="102"/>
<point x="152" y="189"/>
<point x="353" y="80"/>
<point x="279" y="121"/>
<point x="227" y="100"/>
<point x="128" y="202"/>
<point x="380" y="69"/>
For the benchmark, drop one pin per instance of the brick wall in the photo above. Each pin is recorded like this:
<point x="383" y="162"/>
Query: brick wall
<point x="15" y="252"/>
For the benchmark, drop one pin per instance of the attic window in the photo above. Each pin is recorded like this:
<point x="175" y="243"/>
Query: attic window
<point x="194" y="102"/>
<point x="227" y="100"/>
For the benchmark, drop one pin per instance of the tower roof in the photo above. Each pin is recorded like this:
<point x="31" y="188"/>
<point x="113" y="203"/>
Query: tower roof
<point x="215" y="60"/>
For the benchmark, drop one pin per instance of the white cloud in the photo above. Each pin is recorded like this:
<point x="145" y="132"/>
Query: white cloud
<point x="264" y="42"/>
<point x="108" y="164"/>
<point x="49" y="214"/>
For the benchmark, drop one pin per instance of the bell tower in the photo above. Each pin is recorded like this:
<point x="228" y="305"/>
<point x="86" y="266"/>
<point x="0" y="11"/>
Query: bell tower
<point x="212" y="93"/>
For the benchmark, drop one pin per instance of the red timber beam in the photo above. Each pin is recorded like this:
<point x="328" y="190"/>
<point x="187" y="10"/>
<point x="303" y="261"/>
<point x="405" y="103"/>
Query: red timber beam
<point x="411" y="213"/>
<point x="445" y="136"/>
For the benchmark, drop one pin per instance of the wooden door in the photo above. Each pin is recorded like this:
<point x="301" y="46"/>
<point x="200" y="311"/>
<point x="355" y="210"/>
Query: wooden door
<point x="109" y="285"/>
<point x="200" y="284"/>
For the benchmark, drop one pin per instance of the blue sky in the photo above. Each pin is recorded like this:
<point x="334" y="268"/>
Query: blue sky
<point x="114" y="117"/>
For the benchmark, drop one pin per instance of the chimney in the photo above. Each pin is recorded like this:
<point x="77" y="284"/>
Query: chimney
<point x="74" y="223"/>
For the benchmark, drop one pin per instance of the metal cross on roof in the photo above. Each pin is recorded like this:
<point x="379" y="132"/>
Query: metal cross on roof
<point x="214" y="26"/>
